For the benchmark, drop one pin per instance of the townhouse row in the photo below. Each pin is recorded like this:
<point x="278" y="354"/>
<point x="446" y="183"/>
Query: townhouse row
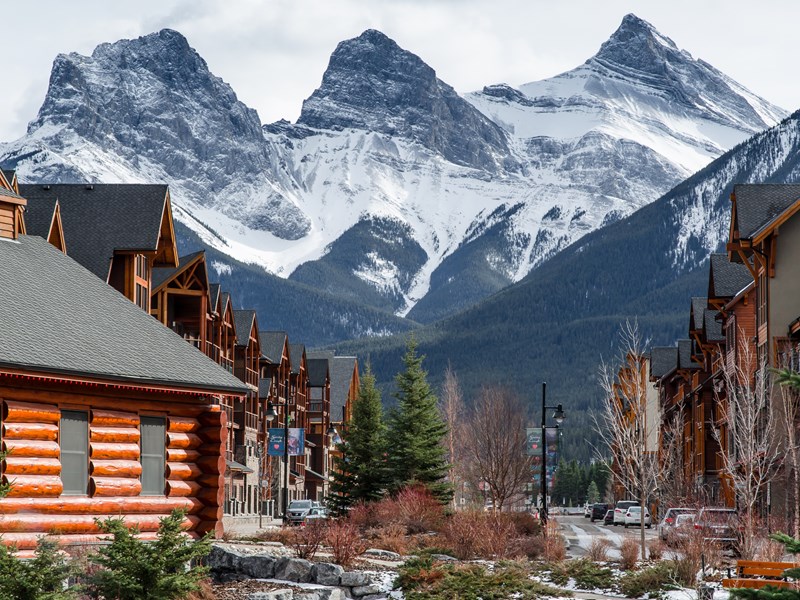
<point x="748" y="322"/>
<point x="130" y="384"/>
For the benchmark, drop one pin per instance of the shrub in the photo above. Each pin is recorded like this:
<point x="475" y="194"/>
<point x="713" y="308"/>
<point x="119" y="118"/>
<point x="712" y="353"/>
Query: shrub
<point x="204" y="591"/>
<point x="414" y="508"/>
<point x="306" y="541"/>
<point x="590" y="576"/>
<point x="423" y="578"/>
<point x="555" y="549"/>
<point x="531" y="547"/>
<point x="598" y="550"/>
<point x="135" y="570"/>
<point x="656" y="550"/>
<point x="476" y="533"/>
<point x="391" y="537"/>
<point x="42" y="577"/>
<point x="629" y="554"/>
<point x="693" y="551"/>
<point x="364" y="515"/>
<point x="525" y="523"/>
<point x="648" y="580"/>
<point x="345" y="541"/>
<point x="283" y="535"/>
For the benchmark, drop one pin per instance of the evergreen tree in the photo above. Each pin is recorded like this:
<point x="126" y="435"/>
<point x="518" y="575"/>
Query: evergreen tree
<point x="361" y="471"/>
<point x="592" y="493"/>
<point x="417" y="431"/>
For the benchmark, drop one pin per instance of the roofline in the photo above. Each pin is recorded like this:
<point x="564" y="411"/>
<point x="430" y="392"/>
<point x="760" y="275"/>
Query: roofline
<point x="178" y="271"/>
<point x="759" y="234"/>
<point x="68" y="375"/>
<point x="739" y="295"/>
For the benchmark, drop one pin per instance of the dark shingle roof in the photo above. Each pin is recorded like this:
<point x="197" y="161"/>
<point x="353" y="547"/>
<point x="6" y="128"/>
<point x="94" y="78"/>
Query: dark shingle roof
<point x="163" y="274"/>
<point x="318" y="369"/>
<point x="243" y="323"/>
<point x="698" y="308"/>
<point x="272" y="343"/>
<point x="296" y="353"/>
<point x="685" y="355"/>
<point x="726" y="279"/>
<point x="757" y="205"/>
<point x="712" y="328"/>
<point x="663" y="360"/>
<point x="57" y="317"/>
<point x="39" y="217"/>
<point x="98" y="219"/>
<point x="9" y="175"/>
<point x="342" y="368"/>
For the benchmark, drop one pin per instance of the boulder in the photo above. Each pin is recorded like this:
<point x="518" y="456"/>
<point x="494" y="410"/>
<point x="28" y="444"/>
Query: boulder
<point x="286" y="594"/>
<point x="326" y="573"/>
<point x="354" y="578"/>
<point x="444" y="558"/>
<point x="366" y="590"/>
<point x="223" y="558"/>
<point x="258" y="566"/>
<point x="321" y="594"/>
<point x="297" y="570"/>
<point x="384" y="554"/>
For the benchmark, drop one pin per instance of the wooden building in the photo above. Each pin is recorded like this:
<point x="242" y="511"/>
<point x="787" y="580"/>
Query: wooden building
<point x="104" y="411"/>
<point x="319" y="406"/>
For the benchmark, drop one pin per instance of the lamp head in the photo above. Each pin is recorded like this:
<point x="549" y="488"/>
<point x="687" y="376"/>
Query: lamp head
<point x="559" y="415"/>
<point x="271" y="414"/>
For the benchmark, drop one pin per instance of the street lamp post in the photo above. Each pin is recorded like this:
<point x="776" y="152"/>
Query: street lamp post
<point x="558" y="416"/>
<point x="286" y="454"/>
<point x="268" y="417"/>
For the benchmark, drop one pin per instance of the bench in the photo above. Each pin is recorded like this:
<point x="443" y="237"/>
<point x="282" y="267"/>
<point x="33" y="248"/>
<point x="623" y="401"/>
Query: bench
<point x="757" y="574"/>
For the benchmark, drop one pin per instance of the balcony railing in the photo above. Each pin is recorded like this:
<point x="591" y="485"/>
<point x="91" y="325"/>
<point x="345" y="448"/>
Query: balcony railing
<point x="315" y="406"/>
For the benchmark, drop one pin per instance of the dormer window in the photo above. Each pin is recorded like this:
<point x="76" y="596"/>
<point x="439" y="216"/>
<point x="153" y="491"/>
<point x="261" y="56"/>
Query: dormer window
<point x="141" y="282"/>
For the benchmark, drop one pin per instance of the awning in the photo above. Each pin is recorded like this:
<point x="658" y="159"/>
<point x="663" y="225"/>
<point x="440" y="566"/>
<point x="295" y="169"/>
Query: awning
<point x="238" y="467"/>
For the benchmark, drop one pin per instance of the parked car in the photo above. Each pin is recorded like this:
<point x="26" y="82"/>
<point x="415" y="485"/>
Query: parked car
<point x="633" y="516"/>
<point x="587" y="510"/>
<point x="298" y="509"/>
<point x="317" y="513"/>
<point x="718" y="524"/>
<point x="670" y="518"/>
<point x="682" y="529"/>
<point x="609" y="518"/>
<point x="599" y="510"/>
<point x="621" y="508"/>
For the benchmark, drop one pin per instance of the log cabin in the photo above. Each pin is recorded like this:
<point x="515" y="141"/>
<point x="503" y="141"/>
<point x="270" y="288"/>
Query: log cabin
<point x="103" y="411"/>
<point x="119" y="232"/>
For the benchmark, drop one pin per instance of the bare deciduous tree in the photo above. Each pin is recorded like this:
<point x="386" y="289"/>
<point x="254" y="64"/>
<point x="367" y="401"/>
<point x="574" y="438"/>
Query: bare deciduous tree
<point x="623" y="422"/>
<point x="749" y="427"/>
<point x="454" y="413"/>
<point x="495" y="447"/>
<point x="790" y="406"/>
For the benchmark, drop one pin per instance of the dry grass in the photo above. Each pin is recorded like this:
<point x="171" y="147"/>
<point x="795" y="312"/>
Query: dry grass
<point x="555" y="550"/>
<point x="598" y="550"/>
<point x="656" y="550"/>
<point x="345" y="542"/>
<point x="629" y="554"/>
<point x="391" y="537"/>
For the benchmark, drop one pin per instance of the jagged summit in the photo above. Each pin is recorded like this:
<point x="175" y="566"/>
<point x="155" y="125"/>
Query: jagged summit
<point x="637" y="44"/>
<point x="373" y="84"/>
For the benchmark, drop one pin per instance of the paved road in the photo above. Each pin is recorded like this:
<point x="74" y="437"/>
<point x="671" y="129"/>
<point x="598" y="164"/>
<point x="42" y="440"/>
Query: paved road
<point x="580" y="534"/>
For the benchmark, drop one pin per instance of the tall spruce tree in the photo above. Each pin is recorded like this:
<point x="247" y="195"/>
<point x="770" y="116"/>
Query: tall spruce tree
<point x="361" y="471"/>
<point x="417" y="431"/>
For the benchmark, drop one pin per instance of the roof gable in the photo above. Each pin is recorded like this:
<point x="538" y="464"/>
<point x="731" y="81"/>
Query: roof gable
<point x="195" y="262"/>
<point x="726" y="278"/>
<point x="274" y="345"/>
<point x="318" y="371"/>
<point x="663" y="360"/>
<point x="342" y="369"/>
<point x="697" y="313"/>
<point x="757" y="206"/>
<point x="245" y="325"/>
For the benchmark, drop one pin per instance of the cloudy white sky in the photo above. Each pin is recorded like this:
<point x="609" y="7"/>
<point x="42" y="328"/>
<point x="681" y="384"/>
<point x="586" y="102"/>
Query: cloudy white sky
<point x="273" y="52"/>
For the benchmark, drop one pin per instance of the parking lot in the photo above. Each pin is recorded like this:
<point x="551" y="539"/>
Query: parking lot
<point x="580" y="533"/>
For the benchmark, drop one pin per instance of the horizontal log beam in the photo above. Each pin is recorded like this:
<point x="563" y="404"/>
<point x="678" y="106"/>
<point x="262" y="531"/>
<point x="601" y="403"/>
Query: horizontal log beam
<point x="183" y="425"/>
<point x="33" y="486"/>
<point x="39" y="448"/>
<point x="182" y="488"/>
<point x="114" y="418"/>
<point x="116" y="435"/>
<point x="184" y="471"/>
<point x="30" y="412"/>
<point x="115" y="468"/>
<point x="31" y="465"/>
<point x="181" y="455"/>
<point x="30" y="431"/>
<point x="114" y="486"/>
<point x="99" y="506"/>
<point x="187" y="441"/>
<point x="80" y="524"/>
<point x="212" y="465"/>
<point x="110" y="451"/>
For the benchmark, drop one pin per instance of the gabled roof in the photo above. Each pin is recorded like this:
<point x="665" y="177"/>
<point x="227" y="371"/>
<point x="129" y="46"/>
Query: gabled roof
<point x="341" y="368"/>
<point x="757" y="205"/>
<point x="318" y="372"/>
<point x="685" y="355"/>
<point x="726" y="279"/>
<point x="243" y="321"/>
<point x="698" y="308"/>
<point x="296" y="351"/>
<point x="58" y="318"/>
<point x="39" y="216"/>
<point x="663" y="360"/>
<point x="101" y="218"/>
<point x="214" y="290"/>
<point x="272" y="344"/>
<point x="162" y="275"/>
<point x="9" y="175"/>
<point x="712" y="328"/>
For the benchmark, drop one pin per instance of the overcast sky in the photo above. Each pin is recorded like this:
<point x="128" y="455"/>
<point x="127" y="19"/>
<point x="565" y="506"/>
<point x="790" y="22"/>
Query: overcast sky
<point x="273" y="52"/>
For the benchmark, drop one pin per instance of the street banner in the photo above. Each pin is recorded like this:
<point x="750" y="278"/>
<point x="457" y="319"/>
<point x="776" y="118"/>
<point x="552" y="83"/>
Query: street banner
<point x="297" y="441"/>
<point x="276" y="442"/>
<point x="533" y="442"/>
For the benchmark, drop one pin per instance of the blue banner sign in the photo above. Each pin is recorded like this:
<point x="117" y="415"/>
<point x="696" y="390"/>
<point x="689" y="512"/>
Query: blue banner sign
<point x="275" y="446"/>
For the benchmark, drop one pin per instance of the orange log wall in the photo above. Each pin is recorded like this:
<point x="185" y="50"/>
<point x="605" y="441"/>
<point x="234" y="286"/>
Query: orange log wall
<point x="195" y="467"/>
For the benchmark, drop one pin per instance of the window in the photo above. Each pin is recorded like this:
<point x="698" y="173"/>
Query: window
<point x="762" y="298"/>
<point x="141" y="282"/>
<point x="153" y="447"/>
<point x="74" y="441"/>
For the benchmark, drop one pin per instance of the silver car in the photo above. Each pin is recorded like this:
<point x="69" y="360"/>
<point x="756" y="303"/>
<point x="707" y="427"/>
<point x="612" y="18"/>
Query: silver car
<point x="670" y="520"/>
<point x="298" y="509"/>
